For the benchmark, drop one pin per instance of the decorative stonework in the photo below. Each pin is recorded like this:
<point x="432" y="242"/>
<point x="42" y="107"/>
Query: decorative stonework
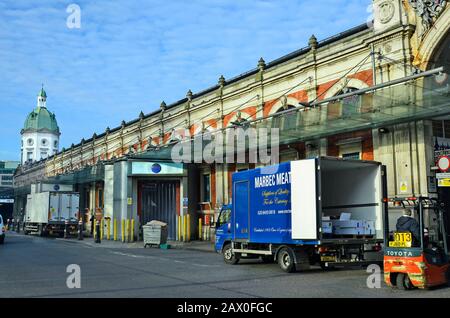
<point x="428" y="10"/>
<point x="386" y="11"/>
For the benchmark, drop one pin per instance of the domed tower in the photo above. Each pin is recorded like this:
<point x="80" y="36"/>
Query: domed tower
<point x="40" y="133"/>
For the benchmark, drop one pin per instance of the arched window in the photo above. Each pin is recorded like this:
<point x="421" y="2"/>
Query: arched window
<point x="350" y="105"/>
<point x="285" y="121"/>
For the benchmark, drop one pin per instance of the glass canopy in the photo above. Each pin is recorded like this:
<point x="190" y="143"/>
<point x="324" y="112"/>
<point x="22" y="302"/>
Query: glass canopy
<point x="409" y="99"/>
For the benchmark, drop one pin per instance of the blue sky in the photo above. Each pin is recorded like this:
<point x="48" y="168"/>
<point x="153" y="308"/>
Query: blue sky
<point x="130" y="55"/>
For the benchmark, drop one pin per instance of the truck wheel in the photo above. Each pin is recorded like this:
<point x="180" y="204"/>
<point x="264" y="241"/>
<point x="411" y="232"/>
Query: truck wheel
<point x="267" y="259"/>
<point x="403" y="281"/>
<point x="228" y="255"/>
<point x="286" y="260"/>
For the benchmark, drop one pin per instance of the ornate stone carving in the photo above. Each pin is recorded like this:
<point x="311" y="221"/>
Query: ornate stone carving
<point x="386" y="11"/>
<point x="428" y="10"/>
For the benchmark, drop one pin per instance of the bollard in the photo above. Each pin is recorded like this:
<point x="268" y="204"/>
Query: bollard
<point x="200" y="229"/>
<point x="185" y="228"/>
<point x="188" y="221"/>
<point x="115" y="229"/>
<point x="132" y="230"/>
<point x="18" y="226"/>
<point x="127" y="227"/>
<point x="102" y="227"/>
<point x="123" y="231"/>
<point x="108" y="229"/>
<point x="66" y="229"/>
<point x="80" y="230"/>
<point x="97" y="232"/>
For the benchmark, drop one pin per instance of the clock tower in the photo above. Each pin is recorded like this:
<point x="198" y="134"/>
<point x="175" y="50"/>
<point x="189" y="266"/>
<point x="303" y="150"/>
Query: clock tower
<point x="40" y="133"/>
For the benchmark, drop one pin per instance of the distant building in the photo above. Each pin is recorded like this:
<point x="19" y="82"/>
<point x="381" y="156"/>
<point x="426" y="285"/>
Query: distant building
<point x="40" y="133"/>
<point x="7" y="169"/>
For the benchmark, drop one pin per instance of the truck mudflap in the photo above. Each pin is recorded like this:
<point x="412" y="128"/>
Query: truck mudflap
<point x="302" y="260"/>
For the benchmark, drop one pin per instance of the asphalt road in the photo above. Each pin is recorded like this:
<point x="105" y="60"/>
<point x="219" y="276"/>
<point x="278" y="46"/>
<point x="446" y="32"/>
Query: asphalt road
<point x="36" y="267"/>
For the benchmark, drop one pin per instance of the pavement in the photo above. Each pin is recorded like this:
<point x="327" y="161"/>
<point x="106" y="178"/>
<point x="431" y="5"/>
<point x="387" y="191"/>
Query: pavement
<point x="201" y="246"/>
<point x="32" y="266"/>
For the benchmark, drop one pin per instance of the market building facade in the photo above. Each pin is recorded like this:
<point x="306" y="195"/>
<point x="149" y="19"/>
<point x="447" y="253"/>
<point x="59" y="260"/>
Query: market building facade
<point x="370" y="93"/>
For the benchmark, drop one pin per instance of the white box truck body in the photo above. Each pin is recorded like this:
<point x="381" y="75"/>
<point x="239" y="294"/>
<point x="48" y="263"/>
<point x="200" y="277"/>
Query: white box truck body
<point x="48" y="212"/>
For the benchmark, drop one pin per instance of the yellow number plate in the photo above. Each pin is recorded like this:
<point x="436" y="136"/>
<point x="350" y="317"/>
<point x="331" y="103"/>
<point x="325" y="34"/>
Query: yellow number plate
<point x="328" y="258"/>
<point x="401" y="239"/>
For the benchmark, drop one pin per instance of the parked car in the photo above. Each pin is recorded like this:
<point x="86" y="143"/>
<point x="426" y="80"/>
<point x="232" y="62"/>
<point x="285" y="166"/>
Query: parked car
<point x="2" y="230"/>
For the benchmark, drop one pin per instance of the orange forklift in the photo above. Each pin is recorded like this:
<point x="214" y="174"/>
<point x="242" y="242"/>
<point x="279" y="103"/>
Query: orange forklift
<point x="422" y="262"/>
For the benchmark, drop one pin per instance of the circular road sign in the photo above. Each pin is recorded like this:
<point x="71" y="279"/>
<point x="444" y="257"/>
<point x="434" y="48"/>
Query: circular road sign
<point x="444" y="163"/>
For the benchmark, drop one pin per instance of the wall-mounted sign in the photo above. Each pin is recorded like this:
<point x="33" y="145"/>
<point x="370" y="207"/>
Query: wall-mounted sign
<point x="156" y="168"/>
<point x="443" y="182"/>
<point x="56" y="187"/>
<point x="444" y="163"/>
<point x="432" y="184"/>
<point x="403" y="187"/>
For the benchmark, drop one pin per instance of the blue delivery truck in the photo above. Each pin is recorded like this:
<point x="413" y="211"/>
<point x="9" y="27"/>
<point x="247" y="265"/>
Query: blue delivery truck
<point x="323" y="211"/>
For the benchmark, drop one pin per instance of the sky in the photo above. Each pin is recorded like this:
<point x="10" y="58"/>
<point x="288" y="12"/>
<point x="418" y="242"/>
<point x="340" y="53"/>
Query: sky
<point x="127" y="56"/>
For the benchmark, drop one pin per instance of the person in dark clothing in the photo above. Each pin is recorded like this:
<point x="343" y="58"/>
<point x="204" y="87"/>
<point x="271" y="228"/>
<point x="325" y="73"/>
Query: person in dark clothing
<point x="406" y="223"/>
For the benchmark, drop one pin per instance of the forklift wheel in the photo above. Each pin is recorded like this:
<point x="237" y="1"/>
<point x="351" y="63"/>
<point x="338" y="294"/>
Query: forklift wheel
<point x="403" y="281"/>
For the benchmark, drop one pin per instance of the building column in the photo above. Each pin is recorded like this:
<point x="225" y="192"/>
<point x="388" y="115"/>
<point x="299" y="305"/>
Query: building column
<point x="122" y="190"/>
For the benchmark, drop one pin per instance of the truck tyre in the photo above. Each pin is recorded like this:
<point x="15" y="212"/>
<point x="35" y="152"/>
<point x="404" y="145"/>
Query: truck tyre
<point x="403" y="281"/>
<point x="286" y="260"/>
<point x="229" y="256"/>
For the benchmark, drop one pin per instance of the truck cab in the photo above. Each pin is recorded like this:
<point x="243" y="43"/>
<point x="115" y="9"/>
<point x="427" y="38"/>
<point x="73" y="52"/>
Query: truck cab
<point x="223" y="227"/>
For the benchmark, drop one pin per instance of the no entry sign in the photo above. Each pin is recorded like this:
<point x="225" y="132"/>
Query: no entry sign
<point x="444" y="163"/>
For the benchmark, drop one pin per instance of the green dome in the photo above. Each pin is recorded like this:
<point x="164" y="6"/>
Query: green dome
<point x="42" y="93"/>
<point x="40" y="119"/>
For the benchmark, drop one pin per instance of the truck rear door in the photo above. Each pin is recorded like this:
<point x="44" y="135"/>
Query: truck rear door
<point x="65" y="206"/>
<point x="74" y="205"/>
<point x="305" y="199"/>
<point x="241" y="207"/>
<point x="54" y="213"/>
